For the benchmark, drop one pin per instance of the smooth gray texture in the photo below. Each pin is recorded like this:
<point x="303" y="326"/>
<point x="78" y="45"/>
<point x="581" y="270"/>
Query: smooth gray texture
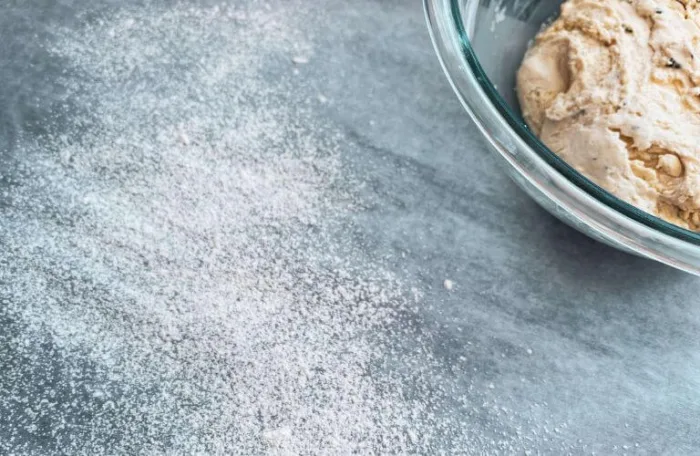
<point x="615" y="353"/>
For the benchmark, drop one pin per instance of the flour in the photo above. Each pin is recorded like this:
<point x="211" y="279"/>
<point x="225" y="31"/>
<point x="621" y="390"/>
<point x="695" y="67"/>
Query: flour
<point x="178" y="236"/>
<point x="179" y="272"/>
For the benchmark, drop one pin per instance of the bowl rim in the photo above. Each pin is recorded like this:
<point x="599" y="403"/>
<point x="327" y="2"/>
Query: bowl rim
<point x="520" y="128"/>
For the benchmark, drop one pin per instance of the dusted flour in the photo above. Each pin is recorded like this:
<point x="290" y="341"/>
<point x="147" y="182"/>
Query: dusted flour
<point x="179" y="271"/>
<point x="175" y="247"/>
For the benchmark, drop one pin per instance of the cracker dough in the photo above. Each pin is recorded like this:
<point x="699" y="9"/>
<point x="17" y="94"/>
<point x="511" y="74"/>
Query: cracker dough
<point x="613" y="87"/>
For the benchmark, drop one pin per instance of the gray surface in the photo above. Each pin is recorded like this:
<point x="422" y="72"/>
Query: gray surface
<point x="614" y="339"/>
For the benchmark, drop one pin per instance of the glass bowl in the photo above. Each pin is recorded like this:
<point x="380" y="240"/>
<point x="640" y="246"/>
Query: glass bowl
<point x="480" y="44"/>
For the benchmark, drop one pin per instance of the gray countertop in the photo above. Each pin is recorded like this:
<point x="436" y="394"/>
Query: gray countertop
<point x="547" y="343"/>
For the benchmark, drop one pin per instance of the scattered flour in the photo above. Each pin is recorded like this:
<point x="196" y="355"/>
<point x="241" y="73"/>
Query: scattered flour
<point x="176" y="239"/>
<point x="173" y="275"/>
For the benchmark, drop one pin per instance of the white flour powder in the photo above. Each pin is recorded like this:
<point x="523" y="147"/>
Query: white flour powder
<point x="178" y="239"/>
<point x="177" y="273"/>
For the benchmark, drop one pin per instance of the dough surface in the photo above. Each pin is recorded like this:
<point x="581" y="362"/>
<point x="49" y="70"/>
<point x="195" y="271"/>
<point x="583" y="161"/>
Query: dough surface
<point x="613" y="87"/>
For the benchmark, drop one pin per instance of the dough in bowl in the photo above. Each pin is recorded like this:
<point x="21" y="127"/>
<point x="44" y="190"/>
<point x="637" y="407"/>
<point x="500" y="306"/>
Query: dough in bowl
<point x="613" y="87"/>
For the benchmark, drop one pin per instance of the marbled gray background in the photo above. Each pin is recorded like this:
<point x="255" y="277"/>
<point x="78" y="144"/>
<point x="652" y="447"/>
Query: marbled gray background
<point x="614" y="362"/>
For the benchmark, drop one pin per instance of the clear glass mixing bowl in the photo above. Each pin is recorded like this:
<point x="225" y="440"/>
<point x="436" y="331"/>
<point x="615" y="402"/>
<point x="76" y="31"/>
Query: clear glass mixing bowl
<point x="480" y="44"/>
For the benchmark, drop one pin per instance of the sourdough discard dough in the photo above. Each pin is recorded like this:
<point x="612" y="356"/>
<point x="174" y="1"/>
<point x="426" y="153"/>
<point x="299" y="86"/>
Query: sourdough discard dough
<point x="613" y="87"/>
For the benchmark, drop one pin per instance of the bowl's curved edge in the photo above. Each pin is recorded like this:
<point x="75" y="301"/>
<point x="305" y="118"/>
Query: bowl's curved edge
<point x="550" y="188"/>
